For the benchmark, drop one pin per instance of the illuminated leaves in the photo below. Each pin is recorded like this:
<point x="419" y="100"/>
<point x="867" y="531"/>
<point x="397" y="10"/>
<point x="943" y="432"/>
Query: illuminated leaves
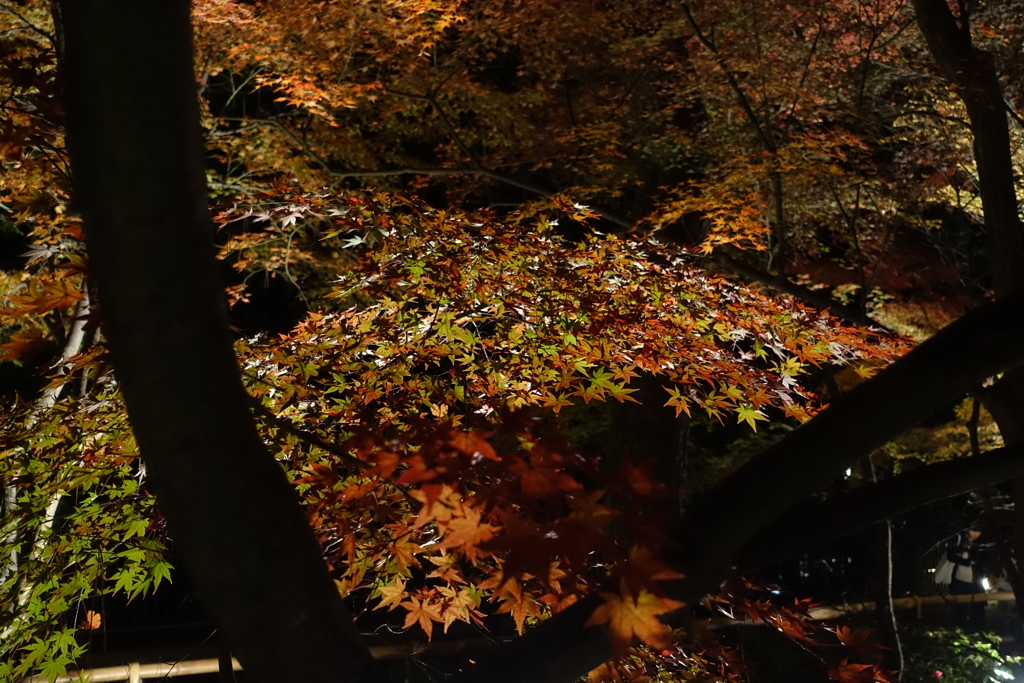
<point x="92" y="621"/>
<point x="468" y="533"/>
<point x="500" y="317"/>
<point x="857" y="641"/>
<point x="422" y="613"/>
<point x="629" y="615"/>
<point x="44" y="296"/>
<point x="437" y="326"/>
<point x="750" y="415"/>
<point x="391" y="595"/>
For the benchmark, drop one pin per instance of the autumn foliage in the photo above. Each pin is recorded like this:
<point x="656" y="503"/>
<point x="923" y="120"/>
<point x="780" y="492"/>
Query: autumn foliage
<point x="419" y="405"/>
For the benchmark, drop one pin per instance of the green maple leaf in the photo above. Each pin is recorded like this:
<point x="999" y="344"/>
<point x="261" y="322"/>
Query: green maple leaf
<point x="52" y="669"/>
<point x="749" y="414"/>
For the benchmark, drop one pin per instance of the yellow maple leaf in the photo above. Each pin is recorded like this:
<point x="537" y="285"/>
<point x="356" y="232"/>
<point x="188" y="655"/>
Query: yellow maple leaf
<point x="392" y="594"/>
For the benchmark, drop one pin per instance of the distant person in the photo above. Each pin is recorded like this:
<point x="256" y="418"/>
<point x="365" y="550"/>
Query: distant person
<point x="964" y="553"/>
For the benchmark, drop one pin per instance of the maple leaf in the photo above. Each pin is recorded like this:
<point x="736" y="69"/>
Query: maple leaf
<point x="558" y="602"/>
<point x="520" y="605"/>
<point x="440" y="503"/>
<point x="392" y="594"/>
<point x="447" y="568"/>
<point x="748" y="414"/>
<point x="540" y="479"/>
<point x="468" y="533"/>
<point x="852" y="673"/>
<point x="473" y="444"/>
<point x="92" y="621"/>
<point x="857" y="641"/>
<point x="639" y="479"/>
<point x="24" y="343"/>
<point x="423" y="613"/>
<point x="628" y="616"/>
<point x="641" y="570"/>
<point x="460" y="605"/>
<point x="386" y="462"/>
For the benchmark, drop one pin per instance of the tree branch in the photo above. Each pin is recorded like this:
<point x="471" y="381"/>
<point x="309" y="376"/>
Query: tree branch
<point x="812" y="297"/>
<point x="753" y="500"/>
<point x="973" y="74"/>
<point x="4" y="7"/>
<point x="813" y="523"/>
<point x="741" y="96"/>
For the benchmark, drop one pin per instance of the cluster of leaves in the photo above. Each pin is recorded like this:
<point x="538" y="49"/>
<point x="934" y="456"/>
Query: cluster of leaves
<point x="698" y="653"/>
<point x="937" y="654"/>
<point x="407" y="416"/>
<point x="460" y="321"/>
<point x="515" y="317"/>
<point x="410" y="406"/>
<point x="745" y="116"/>
<point x="79" y="522"/>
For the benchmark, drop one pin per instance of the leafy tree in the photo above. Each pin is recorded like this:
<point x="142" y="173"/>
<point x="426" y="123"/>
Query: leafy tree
<point x="415" y="410"/>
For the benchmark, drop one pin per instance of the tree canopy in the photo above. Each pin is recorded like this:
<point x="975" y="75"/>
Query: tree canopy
<point x="484" y="220"/>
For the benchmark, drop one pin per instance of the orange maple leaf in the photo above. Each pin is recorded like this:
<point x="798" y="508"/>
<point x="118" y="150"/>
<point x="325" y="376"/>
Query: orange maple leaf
<point x="520" y="606"/>
<point x="440" y="503"/>
<point x="423" y="613"/>
<point x="392" y="594"/>
<point x="857" y="641"/>
<point x="403" y="552"/>
<point x="473" y="444"/>
<point x="27" y="343"/>
<point x="92" y="621"/>
<point x="468" y="533"/>
<point x="628" y="616"/>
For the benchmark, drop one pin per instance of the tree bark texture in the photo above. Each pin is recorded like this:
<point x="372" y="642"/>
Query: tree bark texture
<point x="973" y="73"/>
<point x="137" y="162"/>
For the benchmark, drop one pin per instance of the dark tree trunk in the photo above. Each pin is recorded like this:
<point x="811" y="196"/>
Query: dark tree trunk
<point x="973" y="73"/>
<point x="137" y="160"/>
<point x="650" y="430"/>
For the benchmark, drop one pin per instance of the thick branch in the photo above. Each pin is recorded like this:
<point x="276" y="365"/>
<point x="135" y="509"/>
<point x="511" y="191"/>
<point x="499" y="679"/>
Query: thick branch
<point x="814" y="523"/>
<point x="984" y="342"/>
<point x="944" y="368"/>
<point x="137" y="159"/>
<point x="973" y="73"/>
<point x="812" y="297"/>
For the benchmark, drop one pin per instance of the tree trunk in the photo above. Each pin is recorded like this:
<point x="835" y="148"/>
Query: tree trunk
<point x="973" y="74"/>
<point x="649" y="430"/>
<point x="137" y="164"/>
